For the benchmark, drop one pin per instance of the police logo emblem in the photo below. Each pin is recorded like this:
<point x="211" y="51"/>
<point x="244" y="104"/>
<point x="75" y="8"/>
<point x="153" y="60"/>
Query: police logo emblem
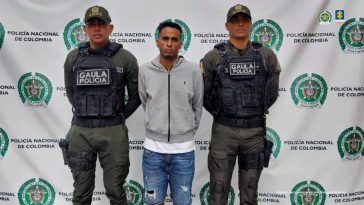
<point x="95" y="12"/>
<point x="93" y="77"/>
<point x="309" y="91"/>
<point x="134" y="192"/>
<point x="268" y="33"/>
<point x="324" y="17"/>
<point x="274" y="138"/>
<point x="36" y="191"/>
<point x="350" y="143"/>
<point x="239" y="8"/>
<point x="4" y="143"/>
<point x="351" y="36"/>
<point x="242" y="68"/>
<point x="35" y="89"/>
<point x="205" y="194"/>
<point x="2" y="34"/>
<point x="185" y="37"/>
<point x="308" y="193"/>
<point x="73" y="34"/>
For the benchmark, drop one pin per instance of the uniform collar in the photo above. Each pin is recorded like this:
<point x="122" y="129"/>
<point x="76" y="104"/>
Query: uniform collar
<point x="99" y="50"/>
<point x="234" y="49"/>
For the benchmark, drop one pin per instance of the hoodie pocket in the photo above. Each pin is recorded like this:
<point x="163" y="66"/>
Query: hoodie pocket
<point x="156" y="120"/>
<point x="182" y="120"/>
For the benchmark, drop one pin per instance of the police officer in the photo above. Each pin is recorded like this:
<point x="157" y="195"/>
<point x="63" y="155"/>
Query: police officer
<point x="96" y="75"/>
<point x="241" y="83"/>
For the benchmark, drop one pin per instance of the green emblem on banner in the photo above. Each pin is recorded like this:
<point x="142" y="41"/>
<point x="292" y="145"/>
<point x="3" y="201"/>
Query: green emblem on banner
<point x="36" y="191"/>
<point x="134" y="192"/>
<point x="4" y="143"/>
<point x="185" y="37"/>
<point x="274" y="138"/>
<point x="309" y="91"/>
<point x="308" y="193"/>
<point x="324" y="17"/>
<point x="2" y="34"/>
<point x="35" y="90"/>
<point x="268" y="33"/>
<point x="351" y="36"/>
<point x="350" y="143"/>
<point x="73" y="34"/>
<point x="205" y="194"/>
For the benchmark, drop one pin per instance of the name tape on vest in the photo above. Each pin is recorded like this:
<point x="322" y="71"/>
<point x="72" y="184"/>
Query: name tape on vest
<point x="242" y="68"/>
<point x="93" y="77"/>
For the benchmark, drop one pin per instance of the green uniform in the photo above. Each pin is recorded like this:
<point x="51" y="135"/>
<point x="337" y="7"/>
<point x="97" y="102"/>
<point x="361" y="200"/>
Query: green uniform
<point x="110" y="143"/>
<point x="229" y="142"/>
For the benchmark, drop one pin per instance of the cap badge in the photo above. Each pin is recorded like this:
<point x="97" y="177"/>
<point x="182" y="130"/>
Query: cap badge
<point x="95" y="12"/>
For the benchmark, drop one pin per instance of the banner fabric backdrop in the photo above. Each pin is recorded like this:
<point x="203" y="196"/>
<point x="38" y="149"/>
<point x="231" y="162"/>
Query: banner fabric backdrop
<point x="316" y="124"/>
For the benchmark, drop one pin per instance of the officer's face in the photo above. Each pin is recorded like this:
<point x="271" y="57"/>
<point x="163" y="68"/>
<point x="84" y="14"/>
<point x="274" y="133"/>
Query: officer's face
<point x="169" y="42"/>
<point x="239" y="26"/>
<point x="98" y="32"/>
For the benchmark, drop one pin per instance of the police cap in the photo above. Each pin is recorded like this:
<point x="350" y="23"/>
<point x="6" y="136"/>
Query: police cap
<point x="97" y="12"/>
<point x="238" y="9"/>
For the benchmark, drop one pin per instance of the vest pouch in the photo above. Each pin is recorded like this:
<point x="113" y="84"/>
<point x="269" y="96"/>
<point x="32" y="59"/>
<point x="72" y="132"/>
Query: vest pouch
<point x="249" y="96"/>
<point x="228" y="100"/>
<point x="80" y="102"/>
<point x="93" y="105"/>
<point x="108" y="105"/>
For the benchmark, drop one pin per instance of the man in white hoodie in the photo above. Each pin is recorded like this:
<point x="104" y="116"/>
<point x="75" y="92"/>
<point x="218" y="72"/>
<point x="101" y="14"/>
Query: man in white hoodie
<point x="171" y="92"/>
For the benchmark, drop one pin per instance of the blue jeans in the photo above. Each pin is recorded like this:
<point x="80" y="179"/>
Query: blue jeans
<point x="160" y="169"/>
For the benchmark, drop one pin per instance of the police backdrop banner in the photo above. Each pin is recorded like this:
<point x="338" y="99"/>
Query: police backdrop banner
<point x="316" y="125"/>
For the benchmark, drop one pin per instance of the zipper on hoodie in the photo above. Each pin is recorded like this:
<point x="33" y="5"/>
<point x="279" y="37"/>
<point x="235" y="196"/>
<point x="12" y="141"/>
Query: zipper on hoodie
<point x="169" y="106"/>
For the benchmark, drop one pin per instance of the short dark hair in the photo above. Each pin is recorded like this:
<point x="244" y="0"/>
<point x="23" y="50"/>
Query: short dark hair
<point x="169" y="24"/>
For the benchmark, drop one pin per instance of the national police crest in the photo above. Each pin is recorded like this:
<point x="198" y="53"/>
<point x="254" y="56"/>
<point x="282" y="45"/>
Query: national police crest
<point x="350" y="143"/>
<point x="274" y="138"/>
<point x="134" y="192"/>
<point x="4" y="143"/>
<point x="351" y="36"/>
<point x="309" y="91"/>
<point x="324" y="17"/>
<point x="268" y="33"/>
<point x="73" y="34"/>
<point x="185" y="37"/>
<point x="35" y="89"/>
<point x="308" y="193"/>
<point x="2" y="34"/>
<point x="205" y="194"/>
<point x="36" y="191"/>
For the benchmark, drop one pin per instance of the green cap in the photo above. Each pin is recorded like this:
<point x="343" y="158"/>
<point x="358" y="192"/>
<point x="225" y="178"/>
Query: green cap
<point x="238" y="9"/>
<point x="97" y="12"/>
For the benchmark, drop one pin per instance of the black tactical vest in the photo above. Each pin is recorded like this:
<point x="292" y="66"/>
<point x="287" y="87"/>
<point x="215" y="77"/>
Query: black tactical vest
<point x="240" y="88"/>
<point x="96" y="96"/>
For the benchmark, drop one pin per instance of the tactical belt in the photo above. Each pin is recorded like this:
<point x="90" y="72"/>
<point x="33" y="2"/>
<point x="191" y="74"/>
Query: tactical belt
<point x="242" y="123"/>
<point x="102" y="122"/>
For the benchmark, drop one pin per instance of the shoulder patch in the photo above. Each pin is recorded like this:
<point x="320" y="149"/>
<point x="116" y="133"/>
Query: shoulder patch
<point x="220" y="47"/>
<point x="256" y="45"/>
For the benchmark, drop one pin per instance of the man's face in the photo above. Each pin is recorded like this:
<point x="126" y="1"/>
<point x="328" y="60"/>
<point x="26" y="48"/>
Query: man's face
<point x="239" y="26"/>
<point x="98" y="32"/>
<point x="169" y="42"/>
